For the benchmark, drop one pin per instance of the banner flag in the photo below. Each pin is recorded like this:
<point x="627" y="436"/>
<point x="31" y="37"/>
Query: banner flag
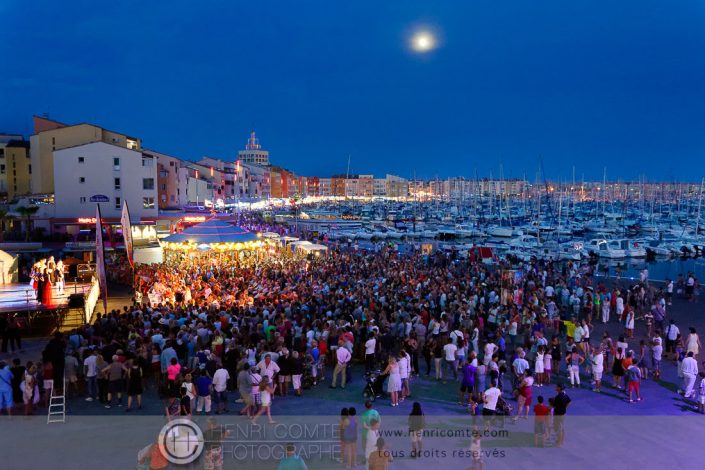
<point x="127" y="233"/>
<point x="100" y="258"/>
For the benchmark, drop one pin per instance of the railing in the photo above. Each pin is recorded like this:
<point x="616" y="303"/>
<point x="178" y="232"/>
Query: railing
<point x="85" y="244"/>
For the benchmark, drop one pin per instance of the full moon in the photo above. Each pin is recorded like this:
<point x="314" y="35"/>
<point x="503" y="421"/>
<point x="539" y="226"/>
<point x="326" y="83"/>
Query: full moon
<point x="423" y="41"/>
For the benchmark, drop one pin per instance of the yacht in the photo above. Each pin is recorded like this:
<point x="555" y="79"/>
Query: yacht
<point x="528" y="242"/>
<point x="631" y="248"/>
<point x="658" y="248"/>
<point x="602" y="248"/>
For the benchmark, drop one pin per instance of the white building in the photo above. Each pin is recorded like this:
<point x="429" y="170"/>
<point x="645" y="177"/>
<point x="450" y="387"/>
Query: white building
<point x="253" y="152"/>
<point x="105" y="173"/>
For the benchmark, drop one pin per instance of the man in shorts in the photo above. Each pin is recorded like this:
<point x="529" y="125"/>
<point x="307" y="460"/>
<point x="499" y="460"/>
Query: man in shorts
<point x="634" y="380"/>
<point x="284" y="363"/>
<point x="297" y="370"/>
<point x="468" y="383"/>
<point x="244" y="386"/>
<point x="490" y="399"/>
<point x="541" y="411"/>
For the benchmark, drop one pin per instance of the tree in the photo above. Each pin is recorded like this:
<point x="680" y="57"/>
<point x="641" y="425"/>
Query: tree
<point x="27" y="211"/>
<point x="3" y="218"/>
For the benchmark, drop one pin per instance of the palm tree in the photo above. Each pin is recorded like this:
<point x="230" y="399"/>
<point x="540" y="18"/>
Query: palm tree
<point x="3" y="218"/>
<point x="27" y="211"/>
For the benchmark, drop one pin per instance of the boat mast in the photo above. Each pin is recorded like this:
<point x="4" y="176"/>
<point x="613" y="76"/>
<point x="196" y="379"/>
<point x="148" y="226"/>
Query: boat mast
<point x="700" y="203"/>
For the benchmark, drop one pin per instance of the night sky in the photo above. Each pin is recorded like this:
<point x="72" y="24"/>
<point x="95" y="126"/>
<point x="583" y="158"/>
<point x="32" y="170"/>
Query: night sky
<point x="582" y="83"/>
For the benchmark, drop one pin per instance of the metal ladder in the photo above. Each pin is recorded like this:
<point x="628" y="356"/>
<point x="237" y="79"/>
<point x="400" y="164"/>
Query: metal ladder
<point x="57" y="405"/>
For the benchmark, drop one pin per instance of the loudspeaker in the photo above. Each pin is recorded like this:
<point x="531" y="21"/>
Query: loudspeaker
<point x="76" y="300"/>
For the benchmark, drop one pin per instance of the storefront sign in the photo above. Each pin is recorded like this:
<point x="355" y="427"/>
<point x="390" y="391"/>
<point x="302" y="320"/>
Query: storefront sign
<point x="100" y="198"/>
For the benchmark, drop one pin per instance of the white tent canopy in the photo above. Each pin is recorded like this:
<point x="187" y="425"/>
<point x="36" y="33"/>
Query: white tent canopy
<point x="309" y="247"/>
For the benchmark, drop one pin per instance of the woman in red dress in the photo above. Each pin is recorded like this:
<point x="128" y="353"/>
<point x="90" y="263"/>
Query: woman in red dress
<point x="47" y="299"/>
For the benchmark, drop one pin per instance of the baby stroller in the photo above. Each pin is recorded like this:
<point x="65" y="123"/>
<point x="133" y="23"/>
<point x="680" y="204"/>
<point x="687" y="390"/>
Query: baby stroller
<point x="503" y="410"/>
<point x="374" y="386"/>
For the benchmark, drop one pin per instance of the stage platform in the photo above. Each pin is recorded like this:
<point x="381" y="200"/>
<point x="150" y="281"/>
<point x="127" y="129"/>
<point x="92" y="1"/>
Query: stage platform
<point x="22" y="298"/>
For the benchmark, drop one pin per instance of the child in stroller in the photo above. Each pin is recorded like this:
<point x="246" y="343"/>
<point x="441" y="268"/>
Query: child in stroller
<point x="374" y="386"/>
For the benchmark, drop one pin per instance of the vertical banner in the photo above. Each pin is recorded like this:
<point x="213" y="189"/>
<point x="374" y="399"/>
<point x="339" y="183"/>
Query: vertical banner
<point x="127" y="232"/>
<point x="100" y="258"/>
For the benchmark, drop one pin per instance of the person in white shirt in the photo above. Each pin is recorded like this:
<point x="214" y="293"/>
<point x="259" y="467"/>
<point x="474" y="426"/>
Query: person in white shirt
<point x="656" y="353"/>
<point x="669" y="292"/>
<point x="520" y="365"/>
<point x="490" y="399"/>
<point x="689" y="368"/>
<point x="456" y="336"/>
<point x="89" y="369"/>
<point x="343" y="357"/>
<point x="370" y="349"/>
<point x="404" y="363"/>
<point x="268" y="367"/>
<point x="220" y="385"/>
<point x="450" y="354"/>
<point x="672" y="333"/>
<point x="597" y="360"/>
<point x="490" y="349"/>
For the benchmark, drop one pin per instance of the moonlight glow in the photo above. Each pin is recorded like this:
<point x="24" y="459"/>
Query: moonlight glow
<point x="423" y="41"/>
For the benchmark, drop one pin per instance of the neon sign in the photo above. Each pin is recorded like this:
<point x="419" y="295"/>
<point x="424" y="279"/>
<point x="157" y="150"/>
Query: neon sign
<point x="194" y="218"/>
<point x="86" y="220"/>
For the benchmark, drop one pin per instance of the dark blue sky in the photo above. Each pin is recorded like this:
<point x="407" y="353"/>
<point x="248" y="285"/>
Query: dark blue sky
<point x="583" y="82"/>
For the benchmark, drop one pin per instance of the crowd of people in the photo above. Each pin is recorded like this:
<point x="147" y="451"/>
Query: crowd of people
<point x="270" y="327"/>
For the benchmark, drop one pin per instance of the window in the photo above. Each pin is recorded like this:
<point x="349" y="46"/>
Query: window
<point x="171" y="163"/>
<point x="81" y="179"/>
<point x="147" y="161"/>
<point x="148" y="202"/>
<point x="2" y="169"/>
<point x="29" y="169"/>
<point x="163" y="174"/>
<point x="163" y="197"/>
<point x="172" y="198"/>
<point x="2" y="153"/>
<point x="116" y="163"/>
<point x="117" y="203"/>
<point x="82" y="199"/>
<point x="148" y="183"/>
<point x="117" y="184"/>
<point x="81" y="159"/>
<point x="163" y="187"/>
